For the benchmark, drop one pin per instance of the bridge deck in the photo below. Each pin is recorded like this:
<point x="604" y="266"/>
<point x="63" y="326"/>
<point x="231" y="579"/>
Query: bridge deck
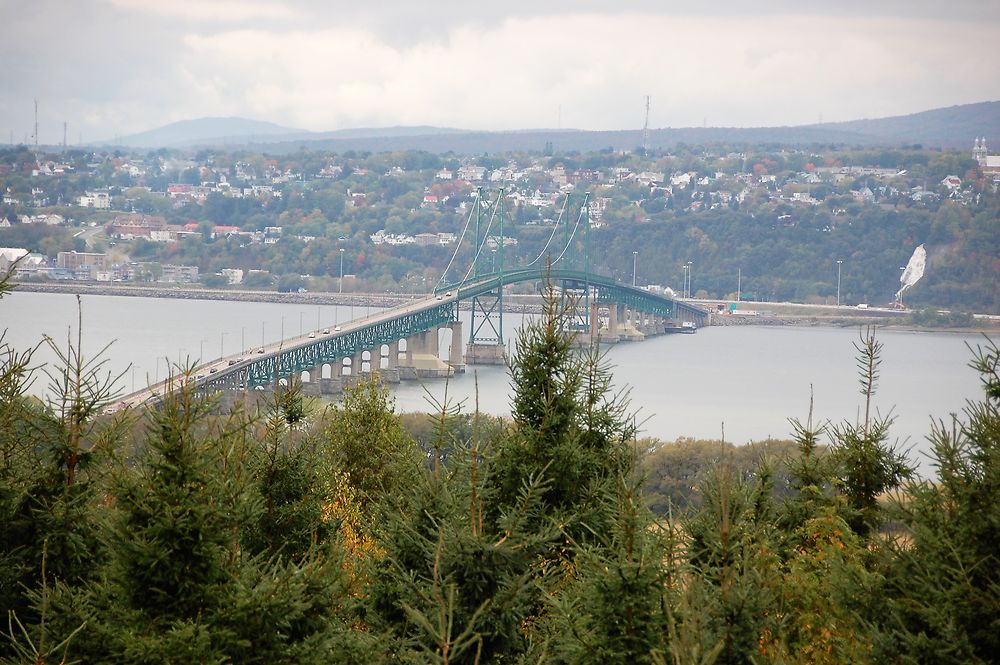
<point x="304" y="352"/>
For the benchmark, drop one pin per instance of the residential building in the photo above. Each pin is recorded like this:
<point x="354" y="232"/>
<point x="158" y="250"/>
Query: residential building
<point x="127" y="227"/>
<point x="8" y="255"/>
<point x="426" y="239"/>
<point x="73" y="260"/>
<point x="178" y="274"/>
<point x="471" y="173"/>
<point x="97" y="199"/>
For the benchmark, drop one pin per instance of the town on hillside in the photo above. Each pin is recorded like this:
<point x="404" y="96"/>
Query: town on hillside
<point x="784" y="218"/>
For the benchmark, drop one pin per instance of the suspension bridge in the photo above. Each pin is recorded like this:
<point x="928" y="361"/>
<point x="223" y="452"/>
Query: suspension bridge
<point x="405" y="342"/>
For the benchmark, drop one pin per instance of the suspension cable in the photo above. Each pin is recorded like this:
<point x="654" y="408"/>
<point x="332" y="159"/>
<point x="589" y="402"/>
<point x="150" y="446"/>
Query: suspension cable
<point x="551" y="235"/>
<point x="572" y="235"/>
<point x="458" y="245"/>
<point x="486" y="235"/>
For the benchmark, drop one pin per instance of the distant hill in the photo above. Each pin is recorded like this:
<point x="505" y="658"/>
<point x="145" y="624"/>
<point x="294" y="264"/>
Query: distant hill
<point x="206" y="130"/>
<point x="955" y="126"/>
<point x="242" y="131"/>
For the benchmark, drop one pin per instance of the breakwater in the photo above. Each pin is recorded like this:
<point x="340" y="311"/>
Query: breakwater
<point x="522" y="304"/>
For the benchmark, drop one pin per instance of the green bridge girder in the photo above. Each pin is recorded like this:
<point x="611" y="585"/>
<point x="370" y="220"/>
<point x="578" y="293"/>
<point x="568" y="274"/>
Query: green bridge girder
<point x="327" y="349"/>
<point x="608" y="290"/>
<point x="386" y="328"/>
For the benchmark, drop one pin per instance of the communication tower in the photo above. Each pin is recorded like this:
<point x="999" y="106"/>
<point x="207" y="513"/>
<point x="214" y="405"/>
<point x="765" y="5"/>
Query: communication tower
<point x="645" y="129"/>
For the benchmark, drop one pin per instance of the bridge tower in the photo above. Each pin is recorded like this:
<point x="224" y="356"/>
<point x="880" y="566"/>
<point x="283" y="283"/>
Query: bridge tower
<point x="486" y="343"/>
<point x="576" y="256"/>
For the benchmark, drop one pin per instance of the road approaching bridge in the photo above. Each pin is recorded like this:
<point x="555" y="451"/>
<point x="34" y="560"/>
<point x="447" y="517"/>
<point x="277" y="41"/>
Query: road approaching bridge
<point x="403" y="342"/>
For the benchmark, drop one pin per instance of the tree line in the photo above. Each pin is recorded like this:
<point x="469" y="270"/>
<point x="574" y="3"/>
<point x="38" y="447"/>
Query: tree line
<point x="291" y="534"/>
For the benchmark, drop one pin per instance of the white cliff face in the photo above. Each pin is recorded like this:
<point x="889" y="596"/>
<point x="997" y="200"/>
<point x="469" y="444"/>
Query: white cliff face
<point x="914" y="269"/>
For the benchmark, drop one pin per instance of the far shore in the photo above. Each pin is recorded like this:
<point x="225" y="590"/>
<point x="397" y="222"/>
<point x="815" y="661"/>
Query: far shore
<point x="778" y="313"/>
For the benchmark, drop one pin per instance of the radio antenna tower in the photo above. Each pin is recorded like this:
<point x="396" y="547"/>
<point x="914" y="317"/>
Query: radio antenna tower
<point x="36" y="124"/>
<point x="64" y="137"/>
<point x="645" y="129"/>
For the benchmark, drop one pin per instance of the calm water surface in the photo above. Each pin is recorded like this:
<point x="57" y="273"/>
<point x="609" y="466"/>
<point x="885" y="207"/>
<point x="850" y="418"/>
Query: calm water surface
<point x="746" y="379"/>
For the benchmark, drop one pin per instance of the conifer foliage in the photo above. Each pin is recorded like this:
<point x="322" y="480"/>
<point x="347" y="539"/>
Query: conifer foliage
<point x="293" y="534"/>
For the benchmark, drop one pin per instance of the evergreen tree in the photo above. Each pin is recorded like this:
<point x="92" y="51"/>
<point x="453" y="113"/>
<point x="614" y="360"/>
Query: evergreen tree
<point x="944" y="577"/>
<point x="734" y="558"/>
<point x="568" y="429"/>
<point x="365" y="441"/>
<point x="180" y="584"/>
<point x="453" y="586"/>
<point x="50" y="474"/>
<point x="619" y="605"/>
<point x="868" y="465"/>
<point x="290" y="475"/>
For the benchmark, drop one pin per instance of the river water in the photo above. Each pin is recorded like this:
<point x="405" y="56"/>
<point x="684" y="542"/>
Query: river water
<point x="745" y="380"/>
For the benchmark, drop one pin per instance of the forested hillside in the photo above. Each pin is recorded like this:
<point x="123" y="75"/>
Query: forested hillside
<point x="299" y="535"/>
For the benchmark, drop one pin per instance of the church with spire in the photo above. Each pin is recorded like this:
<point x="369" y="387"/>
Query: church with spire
<point x="988" y="164"/>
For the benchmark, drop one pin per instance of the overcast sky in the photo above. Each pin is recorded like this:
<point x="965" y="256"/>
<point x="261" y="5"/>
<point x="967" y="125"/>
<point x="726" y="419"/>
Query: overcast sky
<point x="115" y="67"/>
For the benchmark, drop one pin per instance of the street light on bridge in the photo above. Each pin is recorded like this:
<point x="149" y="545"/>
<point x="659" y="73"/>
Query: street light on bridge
<point x="341" y="289"/>
<point x="838" y="282"/>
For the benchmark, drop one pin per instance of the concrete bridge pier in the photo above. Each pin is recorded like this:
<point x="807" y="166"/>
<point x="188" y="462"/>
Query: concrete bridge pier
<point x="407" y="371"/>
<point x="654" y="326"/>
<point x="228" y="399"/>
<point x="614" y="329"/>
<point x="312" y="387"/>
<point x="389" y="373"/>
<point x="456" y="359"/>
<point x="630" y="330"/>
<point x="484" y="354"/>
<point x="422" y="358"/>
<point x="331" y="386"/>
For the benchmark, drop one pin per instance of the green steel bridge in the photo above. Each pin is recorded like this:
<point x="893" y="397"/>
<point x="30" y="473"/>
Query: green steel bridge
<point x="603" y="306"/>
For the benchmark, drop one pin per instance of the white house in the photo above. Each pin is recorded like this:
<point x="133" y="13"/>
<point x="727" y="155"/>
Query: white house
<point x="100" y="200"/>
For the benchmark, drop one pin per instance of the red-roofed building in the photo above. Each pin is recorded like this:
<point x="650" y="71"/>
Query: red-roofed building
<point x="135" y="226"/>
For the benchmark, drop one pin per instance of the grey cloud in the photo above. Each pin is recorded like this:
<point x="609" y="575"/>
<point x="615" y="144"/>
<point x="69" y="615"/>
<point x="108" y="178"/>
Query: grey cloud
<point x="110" y="69"/>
